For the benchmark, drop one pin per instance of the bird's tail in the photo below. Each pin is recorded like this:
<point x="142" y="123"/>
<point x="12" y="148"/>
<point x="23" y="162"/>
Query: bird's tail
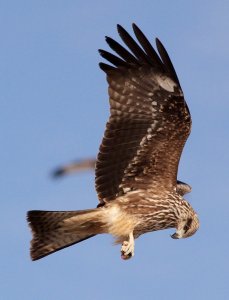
<point x="55" y="230"/>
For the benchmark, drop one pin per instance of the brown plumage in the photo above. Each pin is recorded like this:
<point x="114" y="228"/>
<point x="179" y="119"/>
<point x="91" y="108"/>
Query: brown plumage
<point x="136" y="168"/>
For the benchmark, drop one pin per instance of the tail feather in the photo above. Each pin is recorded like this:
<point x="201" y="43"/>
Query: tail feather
<point x="53" y="231"/>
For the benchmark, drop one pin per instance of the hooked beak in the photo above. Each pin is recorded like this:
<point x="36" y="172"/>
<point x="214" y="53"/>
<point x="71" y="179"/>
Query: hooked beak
<point x="175" y="236"/>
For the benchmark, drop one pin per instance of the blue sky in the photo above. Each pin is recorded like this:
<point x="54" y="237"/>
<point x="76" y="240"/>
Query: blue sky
<point x="54" y="106"/>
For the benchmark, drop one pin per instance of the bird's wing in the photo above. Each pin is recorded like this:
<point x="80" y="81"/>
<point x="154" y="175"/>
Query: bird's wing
<point x="183" y="188"/>
<point x="149" y="120"/>
<point x="76" y="166"/>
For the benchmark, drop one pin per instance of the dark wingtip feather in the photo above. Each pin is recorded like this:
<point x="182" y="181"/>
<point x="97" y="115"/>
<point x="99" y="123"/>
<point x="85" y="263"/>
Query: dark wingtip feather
<point x="58" y="172"/>
<point x="121" y="51"/>
<point x="134" y="25"/>
<point x="148" y="48"/>
<point x="105" y="67"/>
<point x="133" y="45"/>
<point x="119" y="26"/>
<point x="166" y="59"/>
<point x="136" y="54"/>
<point x="116" y="61"/>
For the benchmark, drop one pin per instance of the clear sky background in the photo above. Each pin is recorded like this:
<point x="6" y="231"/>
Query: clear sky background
<point x="54" y="106"/>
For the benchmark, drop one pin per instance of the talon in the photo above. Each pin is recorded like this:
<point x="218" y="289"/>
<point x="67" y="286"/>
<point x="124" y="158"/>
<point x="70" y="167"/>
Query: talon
<point x="127" y="250"/>
<point x="124" y="256"/>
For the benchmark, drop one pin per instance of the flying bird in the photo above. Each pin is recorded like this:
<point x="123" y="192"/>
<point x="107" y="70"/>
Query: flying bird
<point x="137" y="163"/>
<point x="89" y="164"/>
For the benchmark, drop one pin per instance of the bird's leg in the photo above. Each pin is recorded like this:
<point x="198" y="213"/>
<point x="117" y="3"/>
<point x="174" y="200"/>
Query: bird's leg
<point x="127" y="250"/>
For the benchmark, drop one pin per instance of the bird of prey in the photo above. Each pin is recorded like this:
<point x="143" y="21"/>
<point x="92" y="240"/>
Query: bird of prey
<point x="137" y="163"/>
<point x="89" y="164"/>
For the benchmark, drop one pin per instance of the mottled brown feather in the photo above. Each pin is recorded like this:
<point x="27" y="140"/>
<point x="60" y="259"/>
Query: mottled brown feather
<point x="149" y="121"/>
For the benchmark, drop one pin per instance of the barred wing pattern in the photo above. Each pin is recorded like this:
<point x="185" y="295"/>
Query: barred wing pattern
<point x="149" y="120"/>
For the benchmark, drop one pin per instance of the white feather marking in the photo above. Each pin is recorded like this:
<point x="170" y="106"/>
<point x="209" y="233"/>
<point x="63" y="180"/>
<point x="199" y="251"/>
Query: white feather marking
<point x="115" y="95"/>
<point x="131" y="109"/>
<point x="166" y="83"/>
<point x="142" y="141"/>
<point x="153" y="125"/>
<point x="125" y="190"/>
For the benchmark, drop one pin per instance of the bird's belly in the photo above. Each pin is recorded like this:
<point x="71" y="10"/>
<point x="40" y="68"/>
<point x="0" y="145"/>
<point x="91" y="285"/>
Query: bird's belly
<point x="120" y="223"/>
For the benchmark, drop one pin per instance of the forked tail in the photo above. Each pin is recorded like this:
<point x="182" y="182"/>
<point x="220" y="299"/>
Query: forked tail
<point x="55" y="230"/>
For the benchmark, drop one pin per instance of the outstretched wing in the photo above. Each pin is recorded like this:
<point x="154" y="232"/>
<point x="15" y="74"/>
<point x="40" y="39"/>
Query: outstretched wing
<point x="76" y="166"/>
<point x="149" y="120"/>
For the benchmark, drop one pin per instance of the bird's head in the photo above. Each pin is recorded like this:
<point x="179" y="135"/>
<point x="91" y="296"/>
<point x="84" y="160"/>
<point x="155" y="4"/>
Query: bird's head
<point x="186" y="227"/>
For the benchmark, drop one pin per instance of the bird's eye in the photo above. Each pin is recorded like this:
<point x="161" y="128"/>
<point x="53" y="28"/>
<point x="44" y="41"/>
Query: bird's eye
<point x="186" y="228"/>
<point x="187" y="225"/>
